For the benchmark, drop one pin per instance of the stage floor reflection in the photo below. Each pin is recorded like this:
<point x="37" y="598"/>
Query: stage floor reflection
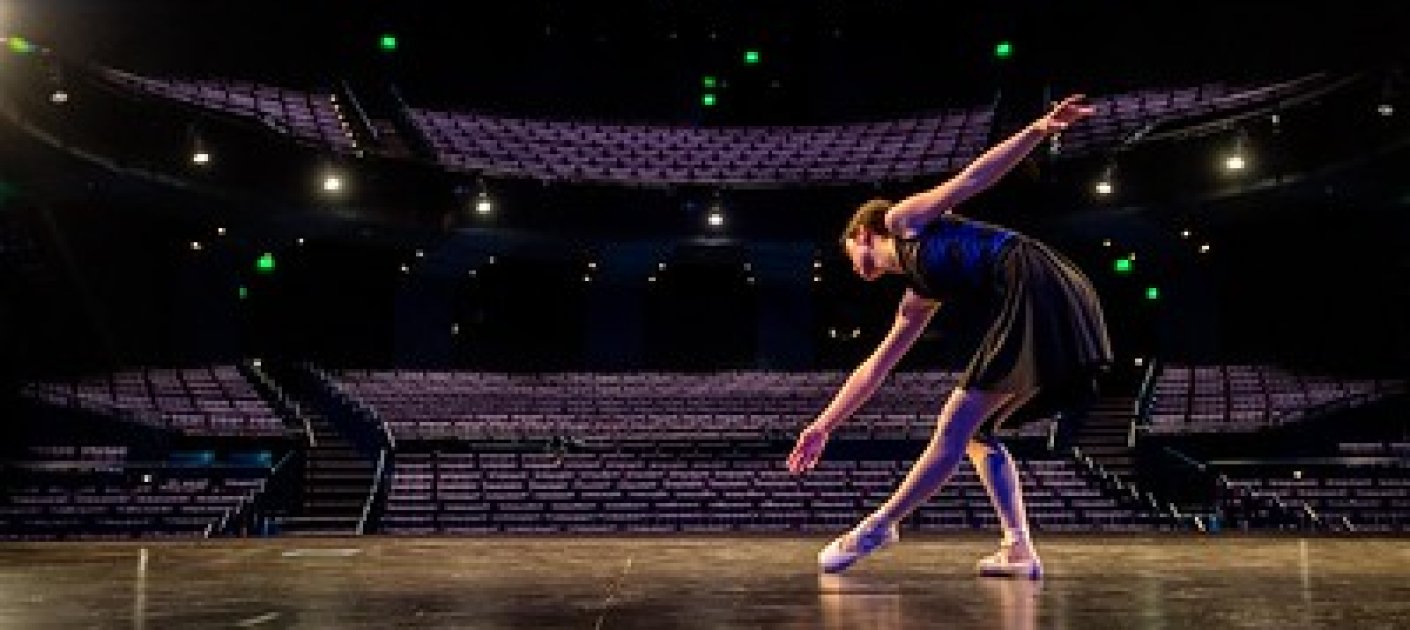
<point x="1093" y="581"/>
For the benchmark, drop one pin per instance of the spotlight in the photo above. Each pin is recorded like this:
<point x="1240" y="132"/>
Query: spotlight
<point x="483" y="205"/>
<point x="332" y="183"/>
<point x="587" y="278"/>
<point x="1204" y="249"/>
<point x="420" y="254"/>
<point x="1234" y="163"/>
<point x="1106" y="242"/>
<point x="716" y="218"/>
<point x="300" y="240"/>
<point x="220" y="231"/>
<point x="1385" y="109"/>
<point x="1103" y="187"/>
<point x="59" y="97"/>
<point x="1184" y="233"/>
<point x="195" y="246"/>
<point x="200" y="157"/>
<point x="405" y="268"/>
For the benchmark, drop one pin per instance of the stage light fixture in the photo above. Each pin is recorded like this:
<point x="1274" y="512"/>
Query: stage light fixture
<point x="59" y="97"/>
<point x="1123" y="266"/>
<point x="332" y="183"/>
<point x="1152" y="293"/>
<point x="707" y="99"/>
<point x="751" y="57"/>
<point x="265" y="263"/>
<point x="1204" y="249"/>
<point x="1237" y="158"/>
<point x="220" y="231"/>
<point x="244" y="293"/>
<point x="195" y="246"/>
<point x="709" y="82"/>
<point x="388" y="42"/>
<point x="1385" y="109"/>
<point x="201" y="157"/>
<point x="1003" y="49"/>
<point x="716" y="218"/>
<point x="1106" y="181"/>
<point x="483" y="205"/>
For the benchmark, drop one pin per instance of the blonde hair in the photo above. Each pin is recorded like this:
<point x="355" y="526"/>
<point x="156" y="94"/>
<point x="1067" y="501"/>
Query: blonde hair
<point x="870" y="215"/>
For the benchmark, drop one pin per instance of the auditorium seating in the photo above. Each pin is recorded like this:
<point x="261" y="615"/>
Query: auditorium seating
<point x="1359" y="497"/>
<point x="61" y="492"/>
<point x="442" y="492"/>
<point x="211" y="400"/>
<point x="897" y="149"/>
<point x="610" y="407"/>
<point x="925" y="144"/>
<point x="315" y="117"/>
<point x="1124" y="118"/>
<point x="1215" y="398"/>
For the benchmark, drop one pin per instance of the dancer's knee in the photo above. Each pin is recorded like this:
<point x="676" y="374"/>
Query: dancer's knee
<point x="981" y="446"/>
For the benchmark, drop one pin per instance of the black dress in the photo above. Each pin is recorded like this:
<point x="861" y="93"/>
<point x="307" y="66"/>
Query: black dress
<point x="1047" y="341"/>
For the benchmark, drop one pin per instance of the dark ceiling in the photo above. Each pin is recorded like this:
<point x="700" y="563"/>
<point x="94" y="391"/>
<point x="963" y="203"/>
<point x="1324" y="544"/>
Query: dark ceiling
<point x="823" y="59"/>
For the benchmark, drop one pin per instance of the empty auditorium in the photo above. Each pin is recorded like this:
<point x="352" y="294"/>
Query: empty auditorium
<point x="833" y="314"/>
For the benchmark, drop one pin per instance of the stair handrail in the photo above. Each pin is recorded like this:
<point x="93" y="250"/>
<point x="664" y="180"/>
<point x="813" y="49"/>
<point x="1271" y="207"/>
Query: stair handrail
<point x="374" y="492"/>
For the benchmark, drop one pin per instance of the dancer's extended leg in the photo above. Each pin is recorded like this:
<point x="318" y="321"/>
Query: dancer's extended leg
<point x="961" y="416"/>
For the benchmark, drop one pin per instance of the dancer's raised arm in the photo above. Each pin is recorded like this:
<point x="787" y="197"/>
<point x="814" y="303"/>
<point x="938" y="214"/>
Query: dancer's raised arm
<point x="914" y="212"/>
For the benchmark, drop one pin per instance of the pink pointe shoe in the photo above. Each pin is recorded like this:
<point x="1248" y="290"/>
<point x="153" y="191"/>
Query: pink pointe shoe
<point x="1001" y="564"/>
<point x="834" y="559"/>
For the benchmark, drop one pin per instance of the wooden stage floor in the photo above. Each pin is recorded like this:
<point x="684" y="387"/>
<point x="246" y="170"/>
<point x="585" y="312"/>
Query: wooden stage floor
<point x="1175" y="581"/>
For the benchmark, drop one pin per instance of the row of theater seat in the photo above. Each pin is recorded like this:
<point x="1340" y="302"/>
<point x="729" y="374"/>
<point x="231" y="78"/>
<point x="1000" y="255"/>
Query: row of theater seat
<point x="1214" y="398"/>
<point x="447" y="492"/>
<point x="212" y="400"/>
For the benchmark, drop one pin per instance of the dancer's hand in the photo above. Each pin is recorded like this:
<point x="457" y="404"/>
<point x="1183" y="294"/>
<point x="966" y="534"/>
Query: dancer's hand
<point x="808" y="450"/>
<point x="1063" y="114"/>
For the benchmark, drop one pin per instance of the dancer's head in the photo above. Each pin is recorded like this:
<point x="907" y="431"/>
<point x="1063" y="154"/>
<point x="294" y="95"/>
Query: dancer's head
<point x="862" y="236"/>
